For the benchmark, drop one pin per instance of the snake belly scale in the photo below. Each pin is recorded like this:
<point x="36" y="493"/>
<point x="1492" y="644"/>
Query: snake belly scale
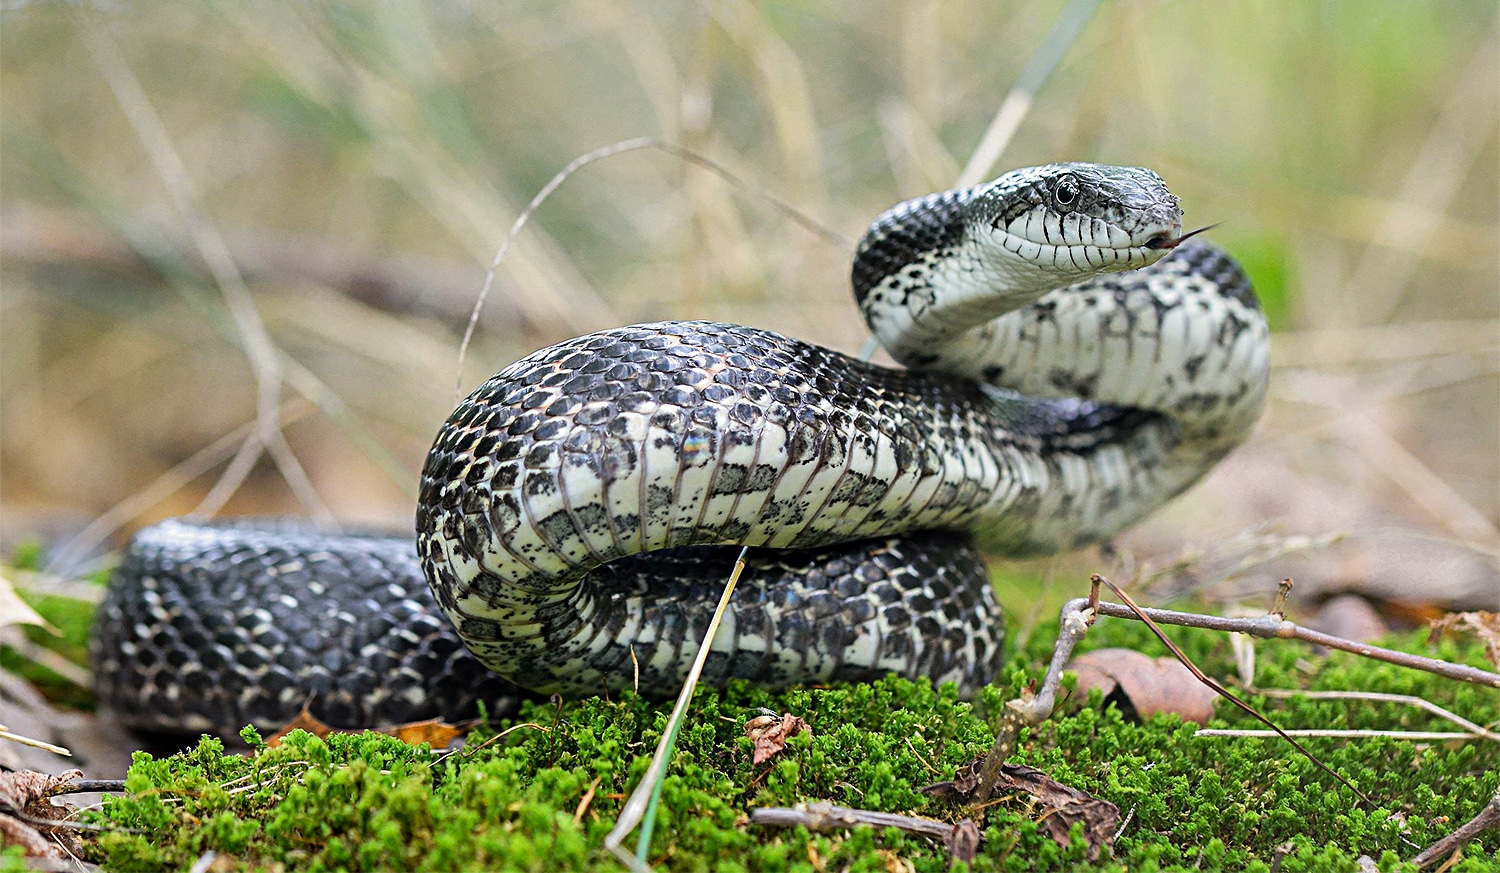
<point x="1071" y="363"/>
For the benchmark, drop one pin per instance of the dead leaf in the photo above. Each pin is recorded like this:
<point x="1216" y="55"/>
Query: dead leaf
<point x="25" y="811"/>
<point x="1148" y="685"/>
<point x="1483" y="625"/>
<point x="303" y="722"/>
<point x="433" y="731"/>
<point x="1062" y="805"/>
<point x="770" y="734"/>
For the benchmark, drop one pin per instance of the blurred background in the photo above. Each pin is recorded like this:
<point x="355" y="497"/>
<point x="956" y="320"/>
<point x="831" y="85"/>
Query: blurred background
<point x="218" y="213"/>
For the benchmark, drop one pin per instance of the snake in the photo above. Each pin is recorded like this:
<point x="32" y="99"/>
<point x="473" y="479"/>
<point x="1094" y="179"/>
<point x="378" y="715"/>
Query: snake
<point x="1068" y="360"/>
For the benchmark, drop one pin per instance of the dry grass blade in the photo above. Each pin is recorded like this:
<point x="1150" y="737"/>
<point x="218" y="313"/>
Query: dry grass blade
<point x="1364" y="345"/>
<point x="1426" y="488"/>
<point x="916" y="154"/>
<point x="1436" y="175"/>
<point x="45" y="657"/>
<point x="382" y="87"/>
<point x="67" y="560"/>
<point x="552" y="185"/>
<point x="1017" y="103"/>
<point x="578" y="163"/>
<point x="5" y="734"/>
<point x="256" y="343"/>
<point x="787" y="95"/>
<point x="640" y="808"/>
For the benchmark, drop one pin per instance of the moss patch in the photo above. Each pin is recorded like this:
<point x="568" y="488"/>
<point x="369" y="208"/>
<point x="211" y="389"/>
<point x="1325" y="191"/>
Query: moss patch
<point x="542" y="798"/>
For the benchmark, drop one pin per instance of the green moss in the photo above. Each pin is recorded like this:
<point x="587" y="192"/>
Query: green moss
<point x="544" y="798"/>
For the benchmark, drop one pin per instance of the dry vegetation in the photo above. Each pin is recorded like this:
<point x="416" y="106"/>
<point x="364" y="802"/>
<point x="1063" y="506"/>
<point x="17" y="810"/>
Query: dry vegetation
<point x="360" y="164"/>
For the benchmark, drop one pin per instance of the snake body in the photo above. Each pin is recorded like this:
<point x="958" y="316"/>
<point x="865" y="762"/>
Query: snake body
<point x="580" y="509"/>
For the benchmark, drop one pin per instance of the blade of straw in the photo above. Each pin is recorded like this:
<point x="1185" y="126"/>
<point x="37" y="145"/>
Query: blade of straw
<point x="641" y="807"/>
<point x="1017" y="103"/>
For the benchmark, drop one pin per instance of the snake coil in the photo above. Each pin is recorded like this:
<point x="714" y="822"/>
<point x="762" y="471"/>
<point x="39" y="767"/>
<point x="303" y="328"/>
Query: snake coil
<point x="580" y="509"/>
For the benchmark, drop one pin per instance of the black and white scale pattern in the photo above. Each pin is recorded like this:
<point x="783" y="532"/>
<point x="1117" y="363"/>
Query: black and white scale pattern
<point x="213" y="627"/>
<point x="580" y="510"/>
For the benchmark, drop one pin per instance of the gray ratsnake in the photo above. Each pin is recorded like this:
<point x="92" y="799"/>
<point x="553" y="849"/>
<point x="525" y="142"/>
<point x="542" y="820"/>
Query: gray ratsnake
<point x="1071" y="362"/>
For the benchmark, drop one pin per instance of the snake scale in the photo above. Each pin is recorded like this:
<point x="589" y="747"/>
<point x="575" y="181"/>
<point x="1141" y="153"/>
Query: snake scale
<point x="1071" y="361"/>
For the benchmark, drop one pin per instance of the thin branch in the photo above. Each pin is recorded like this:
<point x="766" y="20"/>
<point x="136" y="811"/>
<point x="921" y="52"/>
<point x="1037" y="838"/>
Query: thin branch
<point x="824" y="816"/>
<point x="392" y="282"/>
<point x="1269" y="627"/>
<point x="961" y="839"/>
<point x="1407" y="699"/>
<point x="1074" y="620"/>
<point x="1077" y="616"/>
<point x="1487" y="818"/>
<point x="1219" y="687"/>
<point x="1335" y="733"/>
<point x="87" y="786"/>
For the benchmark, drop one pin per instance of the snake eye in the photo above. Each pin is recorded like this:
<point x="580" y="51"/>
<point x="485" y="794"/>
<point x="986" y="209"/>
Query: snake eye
<point x="1065" y="193"/>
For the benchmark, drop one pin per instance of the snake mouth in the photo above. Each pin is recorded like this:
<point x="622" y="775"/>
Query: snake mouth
<point x="1089" y="245"/>
<point x="1167" y="241"/>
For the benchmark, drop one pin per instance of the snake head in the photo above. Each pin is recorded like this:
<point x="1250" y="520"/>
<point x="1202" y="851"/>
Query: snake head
<point x="1073" y="220"/>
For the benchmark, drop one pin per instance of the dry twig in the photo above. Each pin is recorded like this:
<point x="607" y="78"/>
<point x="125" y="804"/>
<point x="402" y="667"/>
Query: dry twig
<point x="1487" y="818"/>
<point x="962" y="839"/>
<point x="1272" y="627"/>
<point x="1078" y="615"/>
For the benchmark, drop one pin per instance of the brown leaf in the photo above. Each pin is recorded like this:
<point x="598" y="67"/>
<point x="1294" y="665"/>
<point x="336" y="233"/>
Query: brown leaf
<point x="771" y="733"/>
<point x="1483" y="625"/>
<point x="1061" y="805"/>
<point x="433" y="731"/>
<point x="1150" y="685"/>
<point x="303" y="722"/>
<point x="24" y="810"/>
<point x="963" y="784"/>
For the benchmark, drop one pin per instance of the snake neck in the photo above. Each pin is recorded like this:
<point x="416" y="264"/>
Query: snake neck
<point x="1185" y="339"/>
<point x="995" y="284"/>
<point x="932" y="268"/>
<point x="920" y="279"/>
